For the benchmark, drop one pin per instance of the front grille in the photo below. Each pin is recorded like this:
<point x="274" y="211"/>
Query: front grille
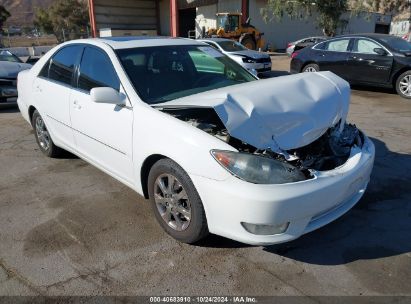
<point x="7" y="82"/>
<point x="263" y="60"/>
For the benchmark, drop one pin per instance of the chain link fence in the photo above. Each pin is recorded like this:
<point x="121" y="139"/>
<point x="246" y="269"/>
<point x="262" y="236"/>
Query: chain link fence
<point x="43" y="39"/>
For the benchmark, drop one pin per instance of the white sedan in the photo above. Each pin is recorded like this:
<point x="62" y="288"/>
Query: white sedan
<point x="253" y="61"/>
<point x="213" y="148"/>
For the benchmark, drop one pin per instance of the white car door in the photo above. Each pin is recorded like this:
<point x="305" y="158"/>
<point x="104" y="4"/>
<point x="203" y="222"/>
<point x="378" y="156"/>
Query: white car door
<point x="52" y="89"/>
<point x="102" y="132"/>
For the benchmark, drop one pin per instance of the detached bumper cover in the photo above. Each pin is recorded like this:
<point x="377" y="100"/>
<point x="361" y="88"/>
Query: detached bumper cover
<point x="306" y="205"/>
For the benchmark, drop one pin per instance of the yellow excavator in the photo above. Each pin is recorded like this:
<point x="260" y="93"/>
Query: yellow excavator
<point x="229" y="26"/>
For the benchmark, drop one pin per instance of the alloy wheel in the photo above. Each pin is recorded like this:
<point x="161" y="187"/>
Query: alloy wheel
<point x="42" y="134"/>
<point x="405" y="85"/>
<point x="310" y="70"/>
<point x="172" y="202"/>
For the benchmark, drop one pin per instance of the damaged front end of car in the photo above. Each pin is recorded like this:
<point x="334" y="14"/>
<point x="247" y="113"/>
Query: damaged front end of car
<point x="264" y="166"/>
<point x="280" y="137"/>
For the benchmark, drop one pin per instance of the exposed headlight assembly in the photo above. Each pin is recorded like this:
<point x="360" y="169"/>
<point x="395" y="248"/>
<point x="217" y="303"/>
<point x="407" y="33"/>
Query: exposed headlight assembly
<point x="248" y="60"/>
<point x="257" y="169"/>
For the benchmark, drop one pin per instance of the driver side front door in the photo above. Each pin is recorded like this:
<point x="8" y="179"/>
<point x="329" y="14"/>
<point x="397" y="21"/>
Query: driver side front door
<point x="102" y="132"/>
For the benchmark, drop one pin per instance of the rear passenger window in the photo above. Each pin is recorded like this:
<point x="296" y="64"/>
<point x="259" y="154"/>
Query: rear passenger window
<point x="62" y="65"/>
<point x="340" y="45"/>
<point x="96" y="70"/>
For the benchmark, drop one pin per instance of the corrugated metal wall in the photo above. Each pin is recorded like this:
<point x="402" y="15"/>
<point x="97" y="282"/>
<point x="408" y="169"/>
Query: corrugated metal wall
<point x="126" y="14"/>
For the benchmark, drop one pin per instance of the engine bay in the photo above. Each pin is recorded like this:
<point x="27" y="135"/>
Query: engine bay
<point x="328" y="152"/>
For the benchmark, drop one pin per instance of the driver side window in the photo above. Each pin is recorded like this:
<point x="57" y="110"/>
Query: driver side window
<point x="96" y="70"/>
<point x="365" y="46"/>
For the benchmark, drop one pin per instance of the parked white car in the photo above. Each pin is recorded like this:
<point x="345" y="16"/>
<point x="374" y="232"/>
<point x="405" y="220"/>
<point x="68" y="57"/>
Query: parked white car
<point x="255" y="62"/>
<point x="212" y="147"/>
<point x="309" y="41"/>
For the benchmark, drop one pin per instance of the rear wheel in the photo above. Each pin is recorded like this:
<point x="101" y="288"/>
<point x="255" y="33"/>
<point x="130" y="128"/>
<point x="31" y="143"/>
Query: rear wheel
<point x="249" y="43"/>
<point x="43" y="137"/>
<point x="403" y="85"/>
<point x="310" y="68"/>
<point x="176" y="203"/>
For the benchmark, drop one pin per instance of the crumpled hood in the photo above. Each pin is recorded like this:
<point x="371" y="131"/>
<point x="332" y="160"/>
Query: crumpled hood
<point x="250" y="53"/>
<point x="280" y="113"/>
<point x="11" y="69"/>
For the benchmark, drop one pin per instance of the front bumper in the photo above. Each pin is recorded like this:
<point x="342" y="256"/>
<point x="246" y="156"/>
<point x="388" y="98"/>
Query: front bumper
<point x="8" y="96"/>
<point x="259" y="67"/>
<point x="306" y="205"/>
<point x="9" y="102"/>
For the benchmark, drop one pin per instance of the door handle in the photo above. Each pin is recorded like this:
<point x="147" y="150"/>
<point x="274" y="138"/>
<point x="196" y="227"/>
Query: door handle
<point x="77" y="105"/>
<point x="356" y="58"/>
<point x="37" y="88"/>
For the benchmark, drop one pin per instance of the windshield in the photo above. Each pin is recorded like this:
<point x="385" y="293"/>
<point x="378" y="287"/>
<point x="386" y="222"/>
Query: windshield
<point x="160" y="74"/>
<point x="222" y="20"/>
<point x="231" y="46"/>
<point x="7" y="56"/>
<point x="398" y="44"/>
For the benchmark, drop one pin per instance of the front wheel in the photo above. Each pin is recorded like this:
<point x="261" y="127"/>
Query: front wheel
<point x="310" y="68"/>
<point x="403" y="85"/>
<point x="176" y="203"/>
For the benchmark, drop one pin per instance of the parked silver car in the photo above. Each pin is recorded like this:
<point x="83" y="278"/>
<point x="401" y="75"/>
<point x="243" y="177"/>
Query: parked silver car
<point x="10" y="66"/>
<point x="249" y="59"/>
<point x="291" y="46"/>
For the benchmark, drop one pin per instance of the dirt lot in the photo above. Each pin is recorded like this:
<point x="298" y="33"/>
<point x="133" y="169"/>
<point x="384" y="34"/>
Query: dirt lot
<point x="68" y="229"/>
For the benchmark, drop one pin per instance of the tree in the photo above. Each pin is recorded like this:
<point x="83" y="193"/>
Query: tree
<point x="329" y="12"/>
<point x="4" y="15"/>
<point x="66" y="19"/>
<point x="382" y="6"/>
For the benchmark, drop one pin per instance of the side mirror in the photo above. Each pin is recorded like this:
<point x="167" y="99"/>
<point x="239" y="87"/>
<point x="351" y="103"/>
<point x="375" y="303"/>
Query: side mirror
<point x="380" y="51"/>
<point x="107" y="95"/>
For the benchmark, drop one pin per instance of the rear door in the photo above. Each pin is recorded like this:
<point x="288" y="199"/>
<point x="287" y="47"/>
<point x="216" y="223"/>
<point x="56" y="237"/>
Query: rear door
<point x="102" y="132"/>
<point x="52" y="89"/>
<point x="333" y="56"/>
<point x="365" y="65"/>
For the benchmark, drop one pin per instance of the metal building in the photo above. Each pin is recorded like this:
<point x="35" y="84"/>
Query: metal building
<point x="179" y="17"/>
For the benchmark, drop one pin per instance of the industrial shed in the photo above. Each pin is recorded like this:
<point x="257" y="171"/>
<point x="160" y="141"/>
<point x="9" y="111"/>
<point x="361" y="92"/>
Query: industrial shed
<point x="179" y="17"/>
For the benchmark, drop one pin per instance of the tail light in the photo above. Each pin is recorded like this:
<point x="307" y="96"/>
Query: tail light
<point x="289" y="44"/>
<point x="293" y="55"/>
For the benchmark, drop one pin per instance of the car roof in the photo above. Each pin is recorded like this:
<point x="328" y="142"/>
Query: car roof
<point x="127" y="42"/>
<point x="367" y="35"/>
<point x="215" y="39"/>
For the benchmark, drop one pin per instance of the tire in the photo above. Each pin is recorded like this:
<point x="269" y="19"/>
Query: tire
<point x="43" y="137"/>
<point x="184" y="219"/>
<point x="312" y="67"/>
<point x="403" y="85"/>
<point x="248" y="42"/>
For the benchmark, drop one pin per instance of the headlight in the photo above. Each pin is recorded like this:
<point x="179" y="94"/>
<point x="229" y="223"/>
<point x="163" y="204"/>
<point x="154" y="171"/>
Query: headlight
<point x="257" y="169"/>
<point x="248" y="60"/>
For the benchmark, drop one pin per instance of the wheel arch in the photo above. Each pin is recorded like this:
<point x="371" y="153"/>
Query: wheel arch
<point x="31" y="112"/>
<point x="145" y="171"/>
<point x="398" y="74"/>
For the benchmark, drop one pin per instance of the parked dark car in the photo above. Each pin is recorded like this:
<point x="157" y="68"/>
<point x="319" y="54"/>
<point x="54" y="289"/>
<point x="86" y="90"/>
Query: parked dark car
<point x="368" y="59"/>
<point x="10" y="66"/>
